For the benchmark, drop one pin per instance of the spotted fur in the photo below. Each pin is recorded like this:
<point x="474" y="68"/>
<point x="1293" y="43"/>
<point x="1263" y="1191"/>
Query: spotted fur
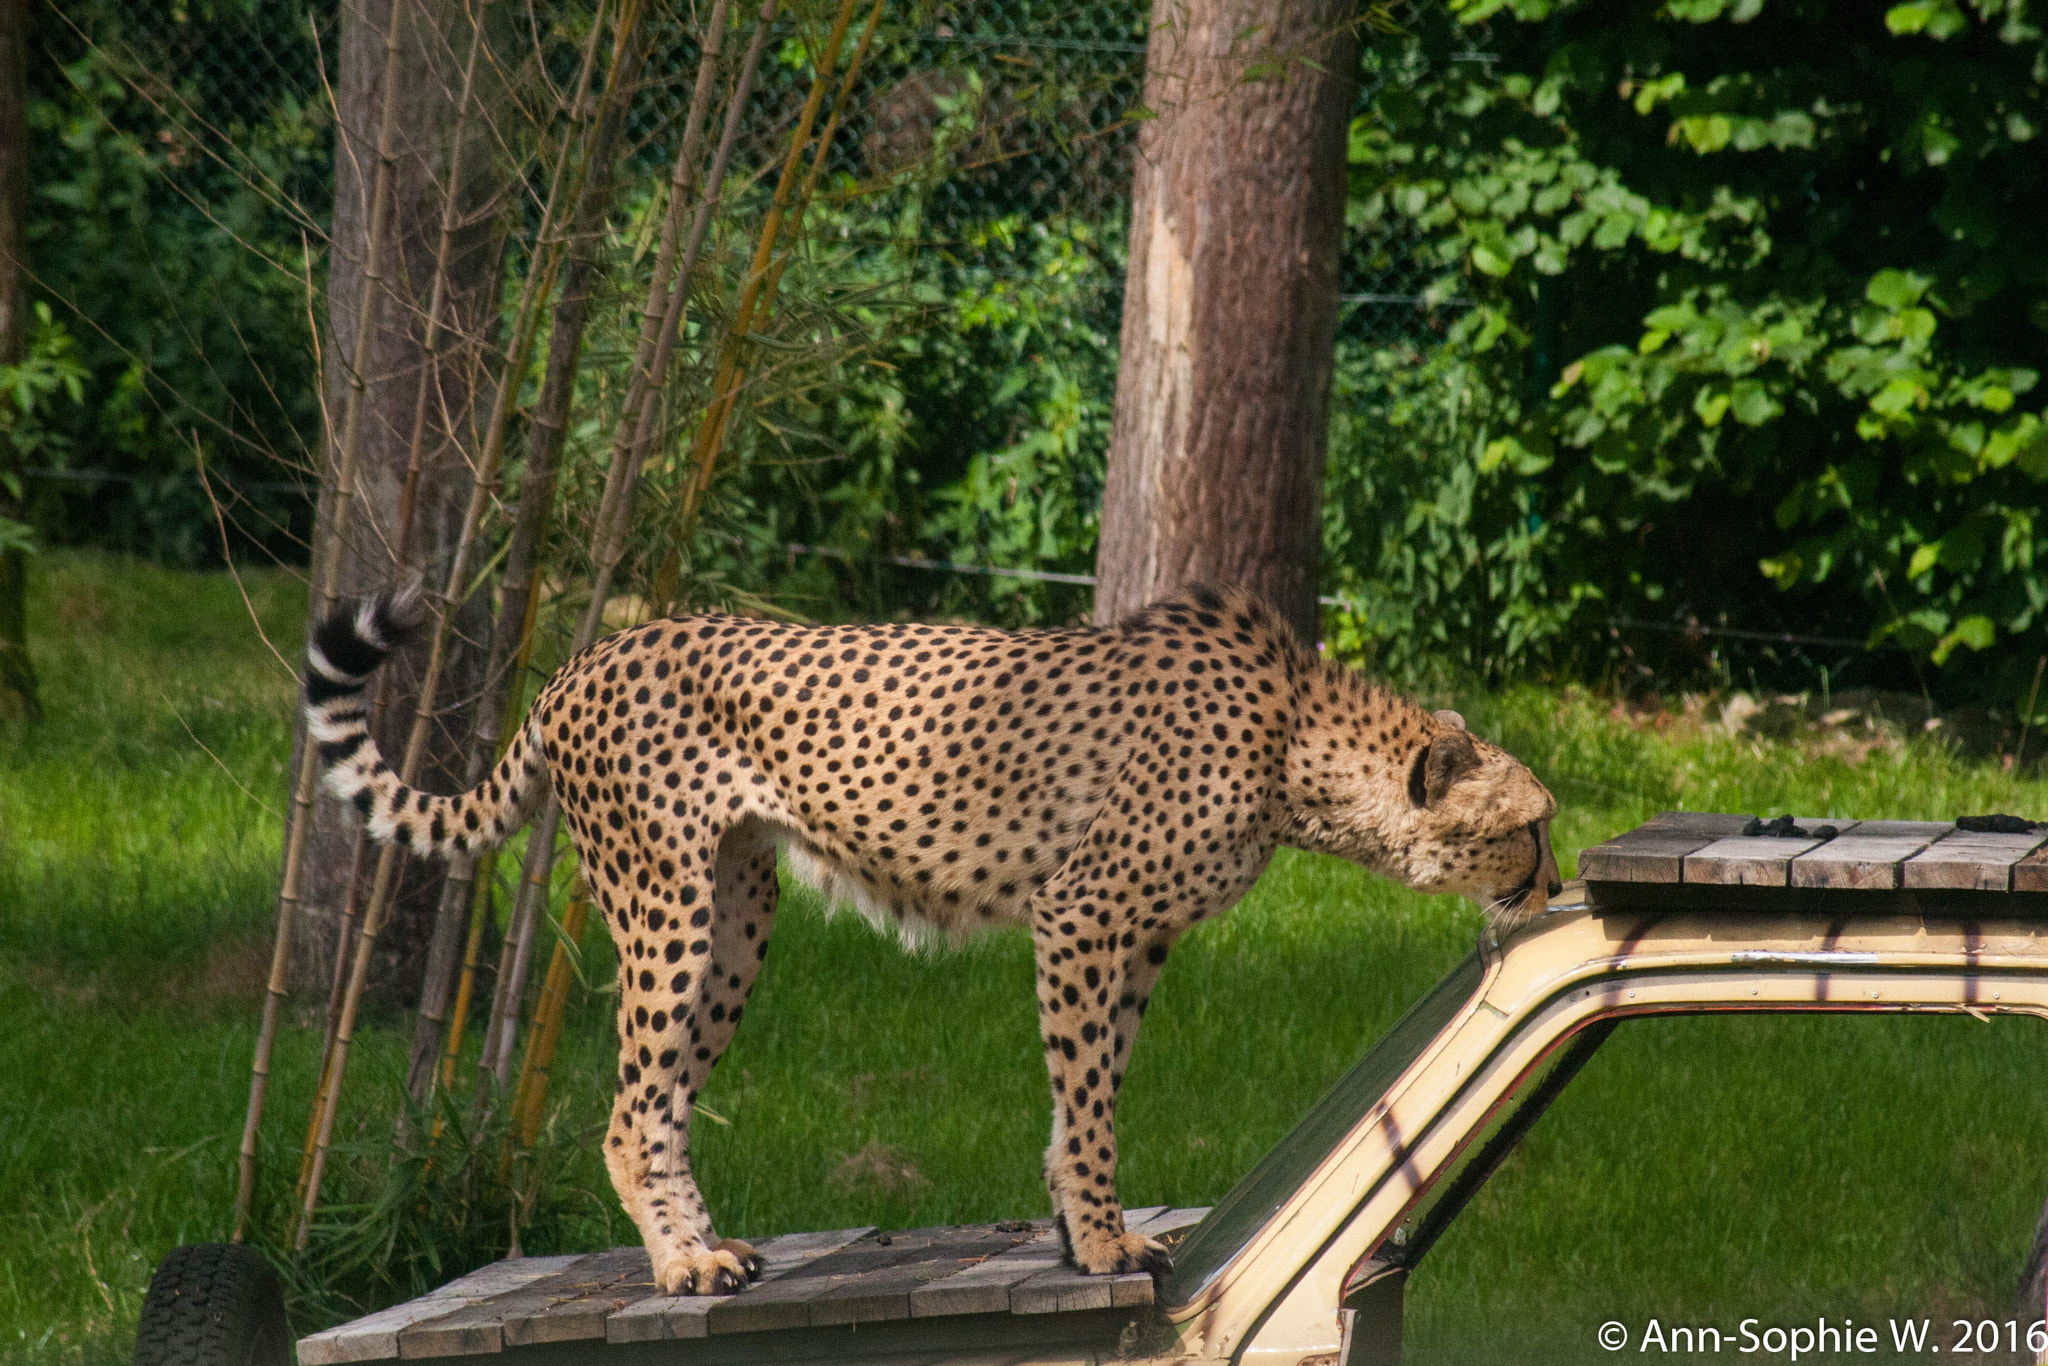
<point x="1105" y="787"/>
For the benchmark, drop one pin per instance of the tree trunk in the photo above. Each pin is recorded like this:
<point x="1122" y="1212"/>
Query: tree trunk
<point x="17" y="674"/>
<point x="1230" y="305"/>
<point x="387" y="539"/>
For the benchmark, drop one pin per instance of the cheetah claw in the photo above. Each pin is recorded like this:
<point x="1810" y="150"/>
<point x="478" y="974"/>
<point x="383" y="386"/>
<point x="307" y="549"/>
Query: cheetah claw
<point x="750" y="1261"/>
<point x="1131" y="1252"/>
<point x="707" y="1271"/>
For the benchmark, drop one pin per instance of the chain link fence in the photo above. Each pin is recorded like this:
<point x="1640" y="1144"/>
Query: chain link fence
<point x="987" y="109"/>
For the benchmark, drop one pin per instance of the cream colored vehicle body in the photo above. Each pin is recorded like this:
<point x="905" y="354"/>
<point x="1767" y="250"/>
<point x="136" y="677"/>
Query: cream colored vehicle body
<point x="1319" y="1278"/>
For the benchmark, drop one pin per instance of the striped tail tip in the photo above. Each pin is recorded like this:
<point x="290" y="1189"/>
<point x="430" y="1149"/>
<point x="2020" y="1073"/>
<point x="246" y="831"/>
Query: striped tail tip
<point x="350" y="645"/>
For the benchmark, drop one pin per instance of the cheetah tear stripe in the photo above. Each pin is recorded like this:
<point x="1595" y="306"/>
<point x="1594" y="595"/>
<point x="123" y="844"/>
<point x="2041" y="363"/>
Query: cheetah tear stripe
<point x="346" y="651"/>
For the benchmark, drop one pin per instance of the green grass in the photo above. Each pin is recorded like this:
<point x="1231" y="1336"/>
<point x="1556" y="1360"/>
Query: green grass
<point x="1700" y="1171"/>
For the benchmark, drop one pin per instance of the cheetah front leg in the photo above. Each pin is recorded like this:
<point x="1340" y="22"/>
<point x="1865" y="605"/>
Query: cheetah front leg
<point x="1086" y="1018"/>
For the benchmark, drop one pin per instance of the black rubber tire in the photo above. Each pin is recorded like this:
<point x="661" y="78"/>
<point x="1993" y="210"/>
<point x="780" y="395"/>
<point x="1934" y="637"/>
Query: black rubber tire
<point x="213" y="1304"/>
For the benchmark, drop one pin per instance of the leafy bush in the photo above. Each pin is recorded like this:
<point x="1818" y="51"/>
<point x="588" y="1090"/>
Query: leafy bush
<point x="972" y="427"/>
<point x="1792" y="262"/>
<point x="187" y="292"/>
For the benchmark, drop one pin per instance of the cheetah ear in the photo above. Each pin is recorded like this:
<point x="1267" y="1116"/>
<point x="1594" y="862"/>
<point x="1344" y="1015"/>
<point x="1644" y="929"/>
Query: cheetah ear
<point x="1451" y="719"/>
<point x="1438" y="765"/>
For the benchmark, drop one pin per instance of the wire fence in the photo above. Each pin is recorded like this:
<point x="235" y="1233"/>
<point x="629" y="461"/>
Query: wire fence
<point x="988" y="110"/>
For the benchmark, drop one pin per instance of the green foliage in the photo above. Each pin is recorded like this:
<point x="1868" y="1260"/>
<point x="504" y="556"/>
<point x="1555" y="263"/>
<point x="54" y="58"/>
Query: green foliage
<point x="1793" y="263"/>
<point x="48" y="366"/>
<point x="971" y="427"/>
<point x="1413" y="488"/>
<point x="189" y="274"/>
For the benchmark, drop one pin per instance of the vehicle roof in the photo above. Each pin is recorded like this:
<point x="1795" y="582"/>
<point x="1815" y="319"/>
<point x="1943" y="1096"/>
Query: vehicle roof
<point x="1334" y="1188"/>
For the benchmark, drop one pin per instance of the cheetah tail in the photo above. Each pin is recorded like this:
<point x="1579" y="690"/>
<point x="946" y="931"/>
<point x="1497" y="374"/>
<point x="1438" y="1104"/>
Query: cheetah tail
<point x="346" y="651"/>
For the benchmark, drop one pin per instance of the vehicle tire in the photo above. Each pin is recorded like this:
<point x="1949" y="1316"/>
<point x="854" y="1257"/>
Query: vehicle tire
<point x="213" y="1304"/>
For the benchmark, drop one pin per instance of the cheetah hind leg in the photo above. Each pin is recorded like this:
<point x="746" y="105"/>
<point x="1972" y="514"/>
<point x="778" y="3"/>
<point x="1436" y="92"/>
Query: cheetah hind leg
<point x="743" y="916"/>
<point x="722" y="944"/>
<point x="663" y="1062"/>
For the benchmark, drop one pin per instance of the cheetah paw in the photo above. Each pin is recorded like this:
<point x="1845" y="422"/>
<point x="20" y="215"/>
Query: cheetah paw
<point x="701" y="1271"/>
<point x="1110" y="1256"/>
<point x="750" y="1261"/>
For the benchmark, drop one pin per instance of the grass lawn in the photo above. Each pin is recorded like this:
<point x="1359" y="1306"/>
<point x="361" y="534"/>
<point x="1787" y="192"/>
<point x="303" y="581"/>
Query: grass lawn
<point x="1699" y="1171"/>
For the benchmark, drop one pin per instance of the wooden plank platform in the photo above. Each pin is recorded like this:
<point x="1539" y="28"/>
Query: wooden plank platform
<point x="1654" y="852"/>
<point x="1968" y="861"/>
<point x="1704" y="861"/>
<point x="1755" y="860"/>
<point x="1867" y="858"/>
<point x="812" y="1280"/>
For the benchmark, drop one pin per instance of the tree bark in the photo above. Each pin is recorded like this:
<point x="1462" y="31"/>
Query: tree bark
<point x="389" y="540"/>
<point x="1230" y="305"/>
<point x="17" y="673"/>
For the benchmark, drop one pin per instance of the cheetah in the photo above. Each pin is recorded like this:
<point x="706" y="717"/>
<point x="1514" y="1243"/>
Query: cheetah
<point x="1107" y="787"/>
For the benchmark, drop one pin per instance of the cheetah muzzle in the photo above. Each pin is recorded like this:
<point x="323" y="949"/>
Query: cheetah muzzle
<point x="1105" y="787"/>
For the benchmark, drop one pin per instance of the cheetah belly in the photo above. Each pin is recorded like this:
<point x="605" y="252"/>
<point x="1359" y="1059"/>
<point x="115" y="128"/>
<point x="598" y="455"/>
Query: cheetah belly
<point x="919" y="927"/>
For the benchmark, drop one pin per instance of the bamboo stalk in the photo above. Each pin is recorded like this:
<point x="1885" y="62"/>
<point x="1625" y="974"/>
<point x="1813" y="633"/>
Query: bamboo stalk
<point x="614" y="518"/>
<point x="530" y="1096"/>
<point x="535" y="285"/>
<point x="467" y="985"/>
<point x="535" y="874"/>
<point x="626" y="53"/>
<point x="725" y="387"/>
<point x="458" y="891"/>
<point x="702" y="472"/>
<point x="343" y="936"/>
<point x="636" y="421"/>
<point x="536" y="494"/>
<point x="291" y="888"/>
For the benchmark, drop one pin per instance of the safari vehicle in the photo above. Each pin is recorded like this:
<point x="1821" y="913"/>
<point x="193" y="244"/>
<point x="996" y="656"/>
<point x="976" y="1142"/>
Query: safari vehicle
<point x="1306" y="1259"/>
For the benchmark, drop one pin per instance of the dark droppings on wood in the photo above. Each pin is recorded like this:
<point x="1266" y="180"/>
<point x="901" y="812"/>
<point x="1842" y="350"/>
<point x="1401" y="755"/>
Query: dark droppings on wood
<point x="1997" y="825"/>
<point x="1784" y="827"/>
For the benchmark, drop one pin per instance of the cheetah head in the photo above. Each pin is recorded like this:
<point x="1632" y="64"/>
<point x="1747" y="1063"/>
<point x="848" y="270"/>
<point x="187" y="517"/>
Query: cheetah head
<point x="1465" y="817"/>
<point x="1477" y="823"/>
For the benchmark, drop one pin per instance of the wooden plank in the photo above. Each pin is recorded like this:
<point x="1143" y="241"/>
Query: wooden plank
<point x="1967" y="861"/>
<point x="2030" y="874"/>
<point x="1624" y="898"/>
<point x="669" y="1317"/>
<point x="1714" y="825"/>
<point x="1754" y="860"/>
<point x="1173" y="1221"/>
<point x="599" y="1286"/>
<point x="884" y="1293"/>
<point x="984" y="1288"/>
<point x="477" y="1328"/>
<point x="788" y="1302"/>
<point x="1868" y="858"/>
<point x="1654" y="850"/>
<point x="1897" y="829"/>
<point x="374" y="1337"/>
<point x="1061" y="1289"/>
